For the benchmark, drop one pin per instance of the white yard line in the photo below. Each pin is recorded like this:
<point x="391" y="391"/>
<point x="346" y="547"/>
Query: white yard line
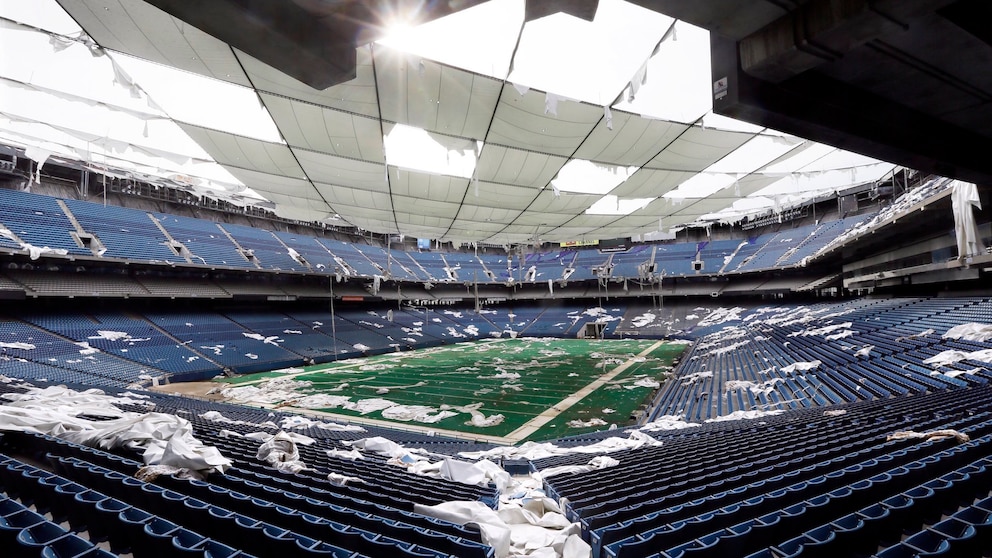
<point x="550" y="414"/>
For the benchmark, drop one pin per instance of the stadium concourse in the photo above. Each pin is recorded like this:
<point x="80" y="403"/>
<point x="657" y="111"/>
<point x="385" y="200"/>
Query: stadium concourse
<point x="508" y="281"/>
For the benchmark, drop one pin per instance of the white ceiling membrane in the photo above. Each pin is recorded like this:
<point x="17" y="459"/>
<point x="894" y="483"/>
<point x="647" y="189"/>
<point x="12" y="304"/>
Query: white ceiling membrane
<point x="509" y="109"/>
<point x="629" y="139"/>
<point x="318" y="128"/>
<point x="697" y="148"/>
<point x="246" y="153"/>
<point x="615" y="205"/>
<point x="506" y="165"/>
<point x="144" y="31"/>
<point x="526" y="121"/>
<point x="424" y="94"/>
<point x="356" y="96"/>
<point x="493" y="196"/>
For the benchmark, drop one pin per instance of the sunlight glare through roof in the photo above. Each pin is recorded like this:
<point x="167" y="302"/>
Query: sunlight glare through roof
<point x="479" y="39"/>
<point x="416" y="149"/>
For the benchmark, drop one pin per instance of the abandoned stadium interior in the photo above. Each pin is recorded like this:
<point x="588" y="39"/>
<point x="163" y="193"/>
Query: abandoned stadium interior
<point x="362" y="357"/>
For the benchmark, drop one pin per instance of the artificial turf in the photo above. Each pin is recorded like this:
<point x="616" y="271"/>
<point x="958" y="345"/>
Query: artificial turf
<point x="482" y="372"/>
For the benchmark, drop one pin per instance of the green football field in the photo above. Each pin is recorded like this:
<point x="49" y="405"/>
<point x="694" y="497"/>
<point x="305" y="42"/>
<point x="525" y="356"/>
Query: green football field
<point x="539" y="386"/>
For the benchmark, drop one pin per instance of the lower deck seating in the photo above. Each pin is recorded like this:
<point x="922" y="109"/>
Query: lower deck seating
<point x="800" y="484"/>
<point x="821" y="477"/>
<point x="250" y="510"/>
<point x="785" y="357"/>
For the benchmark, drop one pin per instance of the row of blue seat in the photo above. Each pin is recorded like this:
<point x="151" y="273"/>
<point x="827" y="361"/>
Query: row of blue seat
<point x="757" y="346"/>
<point x="304" y="505"/>
<point x="675" y="496"/>
<point x="134" y="235"/>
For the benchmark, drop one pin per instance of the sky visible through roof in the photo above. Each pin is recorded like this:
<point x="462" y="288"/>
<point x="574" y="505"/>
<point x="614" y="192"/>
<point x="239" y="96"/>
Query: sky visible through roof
<point x="62" y="94"/>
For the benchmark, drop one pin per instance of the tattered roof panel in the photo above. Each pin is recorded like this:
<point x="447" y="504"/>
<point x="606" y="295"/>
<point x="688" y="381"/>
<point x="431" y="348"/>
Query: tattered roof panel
<point x="140" y="29"/>
<point x="484" y="214"/>
<point x="482" y="144"/>
<point x="506" y="165"/>
<point x="359" y="200"/>
<point x="503" y="196"/>
<point x="591" y="221"/>
<point x="651" y="183"/>
<point x="697" y="149"/>
<point x="236" y="151"/>
<point x="633" y="141"/>
<point x="427" y="95"/>
<point x="571" y="204"/>
<point x="467" y="229"/>
<point x="528" y="122"/>
<point x="295" y="207"/>
<point x="358" y="95"/>
<point x="268" y="183"/>
<point x="342" y="172"/>
<point x="329" y="131"/>
<point x="432" y="187"/>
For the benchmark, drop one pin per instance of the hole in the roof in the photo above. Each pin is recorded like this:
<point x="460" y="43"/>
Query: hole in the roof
<point x="586" y="177"/>
<point x="416" y="149"/>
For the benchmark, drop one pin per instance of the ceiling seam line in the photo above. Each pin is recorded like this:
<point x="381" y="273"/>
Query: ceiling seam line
<point x="571" y="157"/>
<point x="475" y="75"/>
<point x="283" y="137"/>
<point x="545" y="187"/>
<point x="382" y="133"/>
<point x="665" y="35"/>
<point x="492" y="118"/>
<point x="350" y="158"/>
<point x="474" y="179"/>
<point x="659" y="152"/>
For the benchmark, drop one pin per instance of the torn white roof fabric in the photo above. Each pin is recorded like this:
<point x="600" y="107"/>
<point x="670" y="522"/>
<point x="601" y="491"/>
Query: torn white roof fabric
<point x="964" y="202"/>
<point x="456" y="144"/>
